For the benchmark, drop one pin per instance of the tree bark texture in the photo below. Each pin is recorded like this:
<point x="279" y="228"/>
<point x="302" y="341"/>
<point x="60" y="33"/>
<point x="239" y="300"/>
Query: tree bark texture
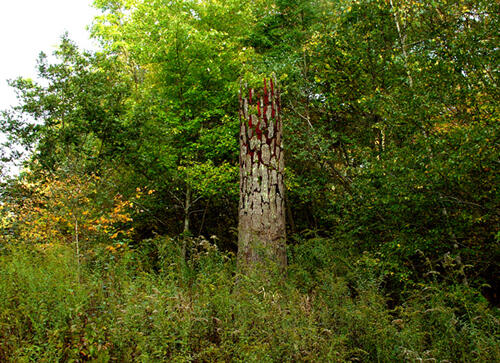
<point x="261" y="230"/>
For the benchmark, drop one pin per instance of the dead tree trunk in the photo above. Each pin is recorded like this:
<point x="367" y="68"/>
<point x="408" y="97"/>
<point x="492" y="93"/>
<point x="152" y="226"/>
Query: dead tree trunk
<point x="261" y="230"/>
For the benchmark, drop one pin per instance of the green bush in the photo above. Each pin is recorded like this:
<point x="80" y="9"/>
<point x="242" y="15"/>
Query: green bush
<point x="331" y="307"/>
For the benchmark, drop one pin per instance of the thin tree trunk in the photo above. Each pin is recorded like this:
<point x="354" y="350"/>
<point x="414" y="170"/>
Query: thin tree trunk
<point x="77" y="247"/>
<point x="402" y="41"/>
<point x="261" y="230"/>
<point x="187" y="207"/>
<point x="203" y="217"/>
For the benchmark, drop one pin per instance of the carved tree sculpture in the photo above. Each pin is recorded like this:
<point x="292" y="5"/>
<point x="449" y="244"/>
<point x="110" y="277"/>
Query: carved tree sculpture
<point x="261" y="232"/>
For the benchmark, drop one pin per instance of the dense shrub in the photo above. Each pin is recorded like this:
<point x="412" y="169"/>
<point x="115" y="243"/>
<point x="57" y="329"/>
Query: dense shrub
<point x="332" y="309"/>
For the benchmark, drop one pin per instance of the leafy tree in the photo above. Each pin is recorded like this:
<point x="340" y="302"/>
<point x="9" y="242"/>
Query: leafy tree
<point x="185" y="106"/>
<point x="389" y="109"/>
<point x="77" y="110"/>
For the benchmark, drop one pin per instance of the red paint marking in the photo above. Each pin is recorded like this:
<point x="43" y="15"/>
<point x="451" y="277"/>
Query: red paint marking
<point x="266" y="99"/>
<point x="250" y="95"/>
<point x="258" y="131"/>
<point x="250" y="121"/>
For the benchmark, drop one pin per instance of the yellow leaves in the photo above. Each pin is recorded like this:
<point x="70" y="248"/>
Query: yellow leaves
<point x="44" y="246"/>
<point x="57" y="204"/>
<point x="103" y="220"/>
<point x="111" y="249"/>
<point x="115" y="248"/>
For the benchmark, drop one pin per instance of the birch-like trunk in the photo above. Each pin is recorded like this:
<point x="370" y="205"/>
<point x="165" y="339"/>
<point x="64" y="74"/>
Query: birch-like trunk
<point x="77" y="246"/>
<point x="261" y="230"/>
<point x="187" y="206"/>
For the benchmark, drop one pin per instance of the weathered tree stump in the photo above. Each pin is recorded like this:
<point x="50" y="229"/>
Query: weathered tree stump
<point x="261" y="230"/>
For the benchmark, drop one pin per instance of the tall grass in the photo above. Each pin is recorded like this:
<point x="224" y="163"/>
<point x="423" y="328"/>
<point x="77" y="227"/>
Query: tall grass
<point x="149" y="305"/>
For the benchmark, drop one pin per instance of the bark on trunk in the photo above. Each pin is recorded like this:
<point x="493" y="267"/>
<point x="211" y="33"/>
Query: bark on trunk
<point x="187" y="206"/>
<point x="77" y="246"/>
<point x="261" y="232"/>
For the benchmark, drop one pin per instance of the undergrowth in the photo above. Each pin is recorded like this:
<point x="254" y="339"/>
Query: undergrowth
<point x="148" y="305"/>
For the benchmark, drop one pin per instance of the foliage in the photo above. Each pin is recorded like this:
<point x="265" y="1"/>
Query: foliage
<point x="65" y="208"/>
<point x="391" y="141"/>
<point x="200" y="310"/>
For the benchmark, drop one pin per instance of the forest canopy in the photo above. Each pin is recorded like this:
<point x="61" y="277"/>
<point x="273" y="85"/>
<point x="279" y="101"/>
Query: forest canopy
<point x="391" y="141"/>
